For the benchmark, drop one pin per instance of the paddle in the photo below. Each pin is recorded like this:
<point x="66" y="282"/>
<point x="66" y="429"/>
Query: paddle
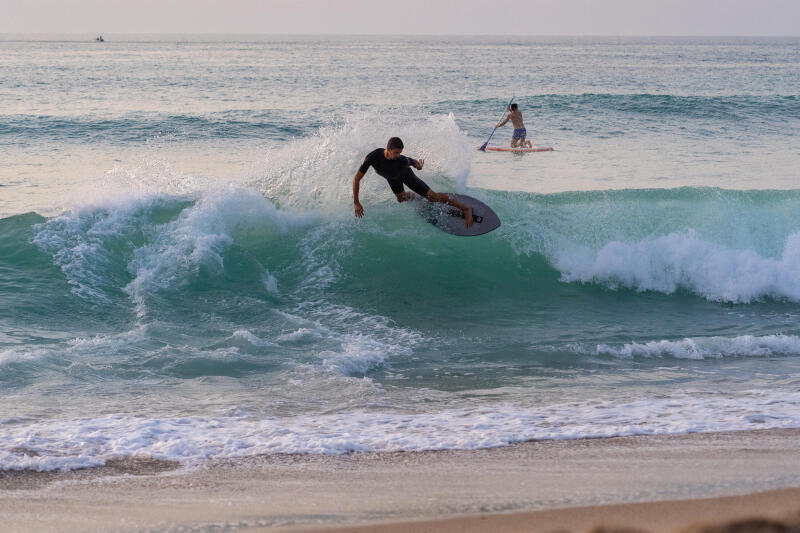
<point x="483" y="148"/>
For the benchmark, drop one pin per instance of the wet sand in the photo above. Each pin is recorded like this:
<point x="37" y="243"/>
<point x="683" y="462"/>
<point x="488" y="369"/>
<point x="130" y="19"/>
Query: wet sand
<point x="740" y="514"/>
<point x="536" y="486"/>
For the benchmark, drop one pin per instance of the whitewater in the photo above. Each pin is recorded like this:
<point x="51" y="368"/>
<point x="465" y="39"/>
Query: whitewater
<point x="182" y="276"/>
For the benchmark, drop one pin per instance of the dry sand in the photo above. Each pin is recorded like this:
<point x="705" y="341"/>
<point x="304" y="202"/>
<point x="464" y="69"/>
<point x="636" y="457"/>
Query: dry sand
<point x="536" y="486"/>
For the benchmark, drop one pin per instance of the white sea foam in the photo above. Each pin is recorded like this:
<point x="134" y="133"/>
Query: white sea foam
<point x="301" y="334"/>
<point x="198" y="237"/>
<point x="114" y="343"/>
<point x="251" y="338"/>
<point x="358" y="341"/>
<point x="106" y="344"/>
<point x="366" y="341"/>
<point x="77" y="241"/>
<point x="708" y="347"/>
<point x="686" y="261"/>
<point x="77" y="443"/>
<point x="358" y="354"/>
<point x="13" y="355"/>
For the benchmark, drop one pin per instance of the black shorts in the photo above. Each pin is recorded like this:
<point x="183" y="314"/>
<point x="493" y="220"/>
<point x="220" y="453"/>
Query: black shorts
<point x="409" y="179"/>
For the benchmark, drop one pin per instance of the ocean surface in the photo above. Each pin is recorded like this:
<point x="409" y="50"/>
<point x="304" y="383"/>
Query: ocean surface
<point x="182" y="276"/>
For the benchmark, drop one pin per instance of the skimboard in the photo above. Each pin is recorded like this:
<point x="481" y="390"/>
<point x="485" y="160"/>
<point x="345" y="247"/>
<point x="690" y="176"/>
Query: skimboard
<point x="495" y="149"/>
<point x="451" y="220"/>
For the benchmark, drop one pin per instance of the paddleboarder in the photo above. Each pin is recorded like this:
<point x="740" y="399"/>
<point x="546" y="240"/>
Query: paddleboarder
<point x="518" y="139"/>
<point x="396" y="169"/>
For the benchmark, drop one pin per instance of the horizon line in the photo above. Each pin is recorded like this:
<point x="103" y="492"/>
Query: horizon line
<point x="81" y="33"/>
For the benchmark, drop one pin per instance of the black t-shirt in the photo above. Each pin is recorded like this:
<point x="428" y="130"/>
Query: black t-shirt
<point x="388" y="168"/>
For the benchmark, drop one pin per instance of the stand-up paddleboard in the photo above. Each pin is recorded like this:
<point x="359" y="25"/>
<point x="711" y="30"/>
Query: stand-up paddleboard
<point x="451" y="220"/>
<point x="495" y="149"/>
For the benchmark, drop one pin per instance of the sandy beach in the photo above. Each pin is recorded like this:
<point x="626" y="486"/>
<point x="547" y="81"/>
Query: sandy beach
<point x="769" y="511"/>
<point x="659" y="483"/>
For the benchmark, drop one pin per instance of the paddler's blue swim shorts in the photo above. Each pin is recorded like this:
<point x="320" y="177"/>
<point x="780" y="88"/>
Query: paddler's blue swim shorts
<point x="519" y="133"/>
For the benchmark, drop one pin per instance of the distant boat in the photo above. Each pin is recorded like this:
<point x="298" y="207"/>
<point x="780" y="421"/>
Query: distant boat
<point x="100" y="39"/>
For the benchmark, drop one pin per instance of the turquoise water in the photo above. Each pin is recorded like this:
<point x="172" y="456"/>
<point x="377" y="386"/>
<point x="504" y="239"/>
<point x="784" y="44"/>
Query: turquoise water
<point x="181" y="274"/>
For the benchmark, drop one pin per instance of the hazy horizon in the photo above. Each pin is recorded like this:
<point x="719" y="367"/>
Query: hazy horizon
<point x="671" y="18"/>
<point x="344" y="35"/>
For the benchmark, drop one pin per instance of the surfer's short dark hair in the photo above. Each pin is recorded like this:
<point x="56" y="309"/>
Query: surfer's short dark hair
<point x="393" y="143"/>
<point x="513" y="107"/>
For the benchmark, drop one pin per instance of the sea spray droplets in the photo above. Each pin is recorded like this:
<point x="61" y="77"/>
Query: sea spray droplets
<point x="315" y="172"/>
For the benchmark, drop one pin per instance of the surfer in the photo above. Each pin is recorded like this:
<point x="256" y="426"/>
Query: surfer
<point x="396" y="169"/>
<point x="518" y="139"/>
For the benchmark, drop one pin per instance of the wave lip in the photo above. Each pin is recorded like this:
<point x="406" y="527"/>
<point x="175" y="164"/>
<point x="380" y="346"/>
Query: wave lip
<point x="726" y="246"/>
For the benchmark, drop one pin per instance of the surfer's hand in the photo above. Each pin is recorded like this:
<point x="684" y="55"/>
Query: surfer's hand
<point x="359" y="210"/>
<point x="419" y="164"/>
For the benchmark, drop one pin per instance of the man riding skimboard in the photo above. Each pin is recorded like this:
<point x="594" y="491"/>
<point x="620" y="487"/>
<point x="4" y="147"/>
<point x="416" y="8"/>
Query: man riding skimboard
<point x="396" y="168"/>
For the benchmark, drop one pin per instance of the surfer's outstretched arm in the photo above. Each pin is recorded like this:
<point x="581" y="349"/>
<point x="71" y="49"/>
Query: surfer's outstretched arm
<point x="356" y="204"/>
<point x="504" y="122"/>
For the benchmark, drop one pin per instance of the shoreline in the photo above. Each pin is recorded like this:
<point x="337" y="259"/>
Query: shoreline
<point x="406" y="491"/>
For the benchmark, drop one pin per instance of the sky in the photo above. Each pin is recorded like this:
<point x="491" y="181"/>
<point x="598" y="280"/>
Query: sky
<point x="488" y="17"/>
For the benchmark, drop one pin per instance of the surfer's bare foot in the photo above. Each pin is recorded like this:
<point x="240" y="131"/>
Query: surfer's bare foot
<point x="468" y="216"/>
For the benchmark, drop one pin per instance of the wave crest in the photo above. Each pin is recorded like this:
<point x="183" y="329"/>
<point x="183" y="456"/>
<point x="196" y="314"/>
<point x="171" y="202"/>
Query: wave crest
<point x="685" y="261"/>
